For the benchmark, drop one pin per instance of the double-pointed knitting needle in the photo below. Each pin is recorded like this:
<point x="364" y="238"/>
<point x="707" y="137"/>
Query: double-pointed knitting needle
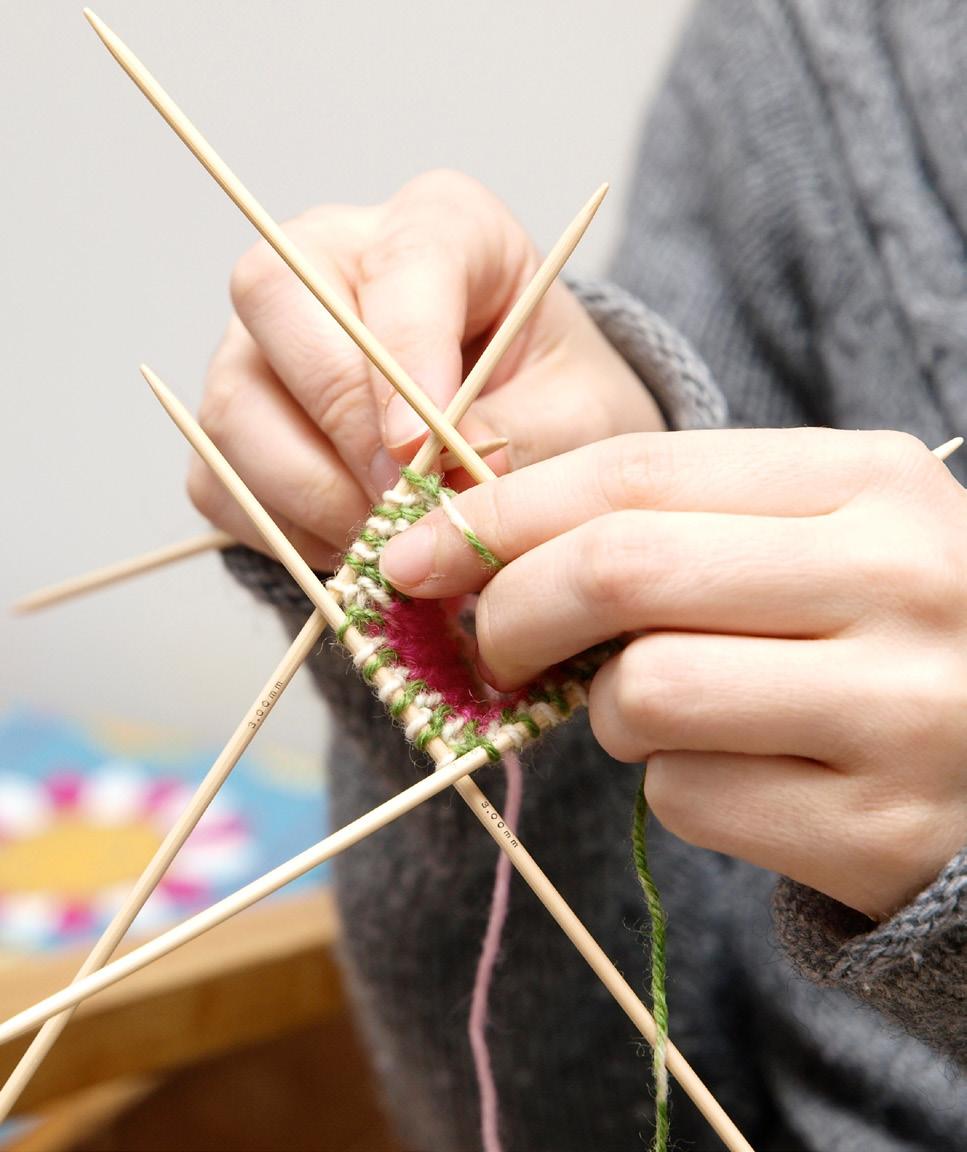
<point x="458" y="407"/>
<point x="147" y="882"/>
<point x="209" y="541"/>
<point x="948" y="448"/>
<point x="122" y="570"/>
<point x="283" y="245"/>
<point x="159" y="557"/>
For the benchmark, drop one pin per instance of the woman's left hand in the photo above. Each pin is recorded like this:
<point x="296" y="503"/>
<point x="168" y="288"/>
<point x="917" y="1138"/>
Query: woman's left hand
<point x="798" y="677"/>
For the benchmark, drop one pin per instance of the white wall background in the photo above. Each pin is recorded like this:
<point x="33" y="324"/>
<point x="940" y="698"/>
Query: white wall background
<point x="117" y="249"/>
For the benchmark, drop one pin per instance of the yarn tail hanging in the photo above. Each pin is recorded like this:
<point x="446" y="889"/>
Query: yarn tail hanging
<point x="479" y="1007"/>
<point x="659" y="1001"/>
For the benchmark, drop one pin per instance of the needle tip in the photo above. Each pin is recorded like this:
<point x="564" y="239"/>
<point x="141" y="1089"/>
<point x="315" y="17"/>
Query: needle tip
<point x="593" y="204"/>
<point x="106" y="36"/>
<point x="949" y="448"/>
<point x="154" y="382"/>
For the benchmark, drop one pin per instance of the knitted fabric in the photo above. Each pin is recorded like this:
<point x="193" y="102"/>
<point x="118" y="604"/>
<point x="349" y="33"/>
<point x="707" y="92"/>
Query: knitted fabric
<point x="423" y="642"/>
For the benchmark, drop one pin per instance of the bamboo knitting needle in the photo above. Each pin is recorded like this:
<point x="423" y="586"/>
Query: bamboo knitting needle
<point x="512" y="323"/>
<point x="148" y="561"/>
<point x="158" y="558"/>
<point x="337" y="842"/>
<point x="483" y="449"/>
<point x="283" y="245"/>
<point x="123" y="570"/>
<point x="485" y="812"/>
<point x="475" y="381"/>
<point x="147" y="882"/>
<point x="948" y="448"/>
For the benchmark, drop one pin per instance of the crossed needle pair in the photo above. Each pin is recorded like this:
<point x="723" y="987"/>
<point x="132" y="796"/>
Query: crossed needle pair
<point x="97" y="973"/>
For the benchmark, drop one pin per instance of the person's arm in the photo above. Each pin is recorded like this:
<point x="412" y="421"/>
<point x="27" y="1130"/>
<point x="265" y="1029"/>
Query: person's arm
<point x="747" y="229"/>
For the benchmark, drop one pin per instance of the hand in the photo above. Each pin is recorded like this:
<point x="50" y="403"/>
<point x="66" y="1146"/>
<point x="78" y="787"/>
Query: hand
<point x="798" y="680"/>
<point x="318" y="434"/>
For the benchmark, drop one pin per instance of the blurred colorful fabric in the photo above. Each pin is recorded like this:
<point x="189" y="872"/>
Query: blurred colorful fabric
<point x="83" y="808"/>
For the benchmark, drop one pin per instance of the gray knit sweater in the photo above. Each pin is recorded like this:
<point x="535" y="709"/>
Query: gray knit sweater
<point x="800" y="215"/>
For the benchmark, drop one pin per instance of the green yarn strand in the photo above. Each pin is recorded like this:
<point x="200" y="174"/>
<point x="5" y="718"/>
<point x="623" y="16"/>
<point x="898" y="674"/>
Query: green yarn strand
<point x="659" y="1002"/>
<point x="482" y="550"/>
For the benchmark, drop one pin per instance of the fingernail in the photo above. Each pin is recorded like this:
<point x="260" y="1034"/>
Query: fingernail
<point x="403" y="425"/>
<point x="407" y="560"/>
<point x="383" y="473"/>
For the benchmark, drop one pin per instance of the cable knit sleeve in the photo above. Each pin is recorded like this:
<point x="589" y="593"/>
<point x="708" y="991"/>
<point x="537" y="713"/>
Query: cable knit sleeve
<point x="913" y="967"/>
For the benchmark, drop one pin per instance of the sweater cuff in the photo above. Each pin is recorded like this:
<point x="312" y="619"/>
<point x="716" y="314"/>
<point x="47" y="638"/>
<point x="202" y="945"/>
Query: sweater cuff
<point x="912" y="967"/>
<point x="669" y="367"/>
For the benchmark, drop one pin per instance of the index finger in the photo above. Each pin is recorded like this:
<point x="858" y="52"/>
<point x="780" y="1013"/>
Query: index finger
<point x="437" y="274"/>
<point x="765" y="472"/>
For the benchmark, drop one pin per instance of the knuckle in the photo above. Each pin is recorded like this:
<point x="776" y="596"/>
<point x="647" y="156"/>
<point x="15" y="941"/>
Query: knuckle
<point x="491" y="627"/>
<point x="903" y="572"/>
<point x="216" y="403"/>
<point x="494" y="515"/>
<point x="925" y="699"/>
<point x="201" y="490"/>
<point x="894" y="457"/>
<point x="635" y="469"/>
<point x="447" y="185"/>
<point x="889" y="834"/>
<point x="645" y="694"/>
<point x="611" y="568"/>
<point x="255" y="269"/>
<point x="337" y="397"/>
<point x="299" y="496"/>
<point x="404" y="239"/>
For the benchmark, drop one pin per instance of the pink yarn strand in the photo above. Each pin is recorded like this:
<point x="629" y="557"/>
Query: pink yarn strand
<point x="477" y="1026"/>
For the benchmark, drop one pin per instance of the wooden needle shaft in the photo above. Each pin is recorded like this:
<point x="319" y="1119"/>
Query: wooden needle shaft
<point x="512" y="323"/>
<point x="148" y="561"/>
<point x="171" y="845"/>
<point x="159" y="557"/>
<point x="948" y="448"/>
<point x="245" y="897"/>
<point x="123" y="570"/>
<point x="284" y="246"/>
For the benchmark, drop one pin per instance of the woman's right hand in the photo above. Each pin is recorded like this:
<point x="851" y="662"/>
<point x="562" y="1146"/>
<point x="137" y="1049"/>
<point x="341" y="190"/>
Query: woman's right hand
<point x="315" y="430"/>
